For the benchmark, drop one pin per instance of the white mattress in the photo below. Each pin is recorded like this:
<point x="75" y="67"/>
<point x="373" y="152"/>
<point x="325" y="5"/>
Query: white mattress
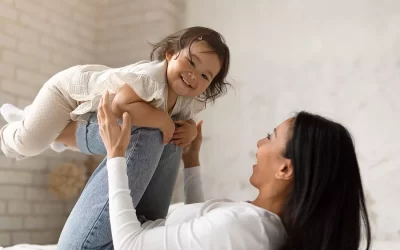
<point x="53" y="247"/>
<point x="378" y="245"/>
<point x="31" y="247"/>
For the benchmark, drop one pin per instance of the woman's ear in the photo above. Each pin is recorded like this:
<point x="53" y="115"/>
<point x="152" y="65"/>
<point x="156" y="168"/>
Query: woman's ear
<point x="285" y="171"/>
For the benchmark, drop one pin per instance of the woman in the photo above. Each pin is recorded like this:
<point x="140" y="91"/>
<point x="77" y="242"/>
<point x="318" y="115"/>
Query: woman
<point x="310" y="194"/>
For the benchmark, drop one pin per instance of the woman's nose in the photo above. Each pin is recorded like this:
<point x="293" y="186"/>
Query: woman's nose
<point x="261" y="142"/>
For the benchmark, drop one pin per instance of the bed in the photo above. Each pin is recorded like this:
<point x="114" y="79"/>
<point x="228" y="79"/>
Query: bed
<point x="32" y="247"/>
<point x="54" y="247"/>
<point x="378" y="245"/>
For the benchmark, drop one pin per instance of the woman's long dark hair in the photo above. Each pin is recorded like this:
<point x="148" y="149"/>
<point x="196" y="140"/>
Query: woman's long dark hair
<point x="326" y="209"/>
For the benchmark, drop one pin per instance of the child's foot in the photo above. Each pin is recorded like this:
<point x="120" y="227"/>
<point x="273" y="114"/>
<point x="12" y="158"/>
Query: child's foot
<point x="58" y="147"/>
<point x="1" y="150"/>
<point x="27" y="109"/>
<point x="11" y="113"/>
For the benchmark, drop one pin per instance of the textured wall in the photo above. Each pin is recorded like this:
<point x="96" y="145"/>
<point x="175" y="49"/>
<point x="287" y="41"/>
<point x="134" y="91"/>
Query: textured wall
<point x="338" y="58"/>
<point x="37" y="39"/>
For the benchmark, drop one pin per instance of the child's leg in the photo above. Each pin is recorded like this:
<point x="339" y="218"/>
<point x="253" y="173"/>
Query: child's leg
<point x="11" y="113"/>
<point x="88" y="226"/>
<point x="156" y="200"/>
<point x="47" y="117"/>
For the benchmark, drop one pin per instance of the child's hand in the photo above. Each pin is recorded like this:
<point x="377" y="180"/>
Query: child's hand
<point x="168" y="130"/>
<point x="185" y="133"/>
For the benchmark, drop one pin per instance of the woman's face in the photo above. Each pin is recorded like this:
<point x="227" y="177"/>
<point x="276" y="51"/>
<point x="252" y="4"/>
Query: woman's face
<point x="271" y="165"/>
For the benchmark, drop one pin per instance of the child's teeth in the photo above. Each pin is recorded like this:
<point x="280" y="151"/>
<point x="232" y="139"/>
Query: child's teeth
<point x="185" y="81"/>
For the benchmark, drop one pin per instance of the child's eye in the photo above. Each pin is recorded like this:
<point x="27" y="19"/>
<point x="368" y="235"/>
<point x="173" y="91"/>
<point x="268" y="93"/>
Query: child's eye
<point x="269" y="136"/>
<point x="204" y="76"/>
<point x="192" y="63"/>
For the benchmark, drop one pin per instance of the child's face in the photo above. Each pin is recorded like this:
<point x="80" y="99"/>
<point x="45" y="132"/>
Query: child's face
<point x="191" y="75"/>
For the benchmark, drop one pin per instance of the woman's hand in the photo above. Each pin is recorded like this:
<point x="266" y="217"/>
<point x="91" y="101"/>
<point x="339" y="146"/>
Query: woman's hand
<point x="191" y="153"/>
<point x="185" y="133"/>
<point x="168" y="129"/>
<point x="115" y="137"/>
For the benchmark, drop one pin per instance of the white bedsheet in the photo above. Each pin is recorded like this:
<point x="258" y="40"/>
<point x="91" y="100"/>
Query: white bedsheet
<point x="54" y="247"/>
<point x="31" y="247"/>
<point x="378" y="245"/>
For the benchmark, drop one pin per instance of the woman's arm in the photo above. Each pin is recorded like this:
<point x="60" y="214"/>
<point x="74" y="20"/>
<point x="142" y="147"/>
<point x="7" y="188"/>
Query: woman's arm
<point x="193" y="185"/>
<point x="207" y="232"/>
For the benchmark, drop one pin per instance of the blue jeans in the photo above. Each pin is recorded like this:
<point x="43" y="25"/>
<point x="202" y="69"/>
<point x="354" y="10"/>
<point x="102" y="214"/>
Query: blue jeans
<point x="152" y="171"/>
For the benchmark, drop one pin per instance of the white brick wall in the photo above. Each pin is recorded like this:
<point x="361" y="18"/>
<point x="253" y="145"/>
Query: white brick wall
<point x="11" y="222"/>
<point x="5" y="238"/>
<point x="8" y="192"/>
<point x="21" y="237"/>
<point x="43" y="237"/>
<point x="19" y="207"/>
<point x="122" y="39"/>
<point x="35" y="222"/>
<point x="2" y="207"/>
<point x="39" y="38"/>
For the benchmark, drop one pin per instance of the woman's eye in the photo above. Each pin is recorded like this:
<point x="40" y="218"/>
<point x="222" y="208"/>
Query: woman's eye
<point x="204" y="76"/>
<point x="269" y="136"/>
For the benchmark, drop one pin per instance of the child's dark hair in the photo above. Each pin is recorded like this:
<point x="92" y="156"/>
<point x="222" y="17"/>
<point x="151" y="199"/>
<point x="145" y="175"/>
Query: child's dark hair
<point x="184" y="39"/>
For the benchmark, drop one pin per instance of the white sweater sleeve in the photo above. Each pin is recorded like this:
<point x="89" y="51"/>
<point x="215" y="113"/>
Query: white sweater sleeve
<point x="193" y="186"/>
<point x="206" y="232"/>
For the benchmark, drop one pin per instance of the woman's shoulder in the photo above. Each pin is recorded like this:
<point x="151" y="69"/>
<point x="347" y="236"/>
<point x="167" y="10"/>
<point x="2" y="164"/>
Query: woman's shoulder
<point x="245" y="220"/>
<point x="239" y="209"/>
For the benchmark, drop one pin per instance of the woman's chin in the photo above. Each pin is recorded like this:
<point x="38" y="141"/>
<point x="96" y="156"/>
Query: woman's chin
<point x="252" y="180"/>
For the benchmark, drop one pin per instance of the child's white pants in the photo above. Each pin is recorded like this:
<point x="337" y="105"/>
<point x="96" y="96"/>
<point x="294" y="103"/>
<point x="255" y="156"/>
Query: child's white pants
<point x="48" y="116"/>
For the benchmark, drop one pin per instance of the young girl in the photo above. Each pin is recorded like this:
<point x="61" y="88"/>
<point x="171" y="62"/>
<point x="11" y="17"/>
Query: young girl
<point x="189" y="70"/>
